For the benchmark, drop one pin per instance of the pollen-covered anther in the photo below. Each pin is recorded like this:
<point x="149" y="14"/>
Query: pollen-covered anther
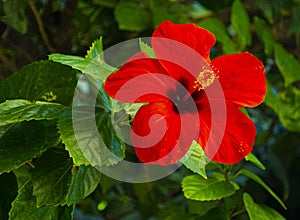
<point x="205" y="78"/>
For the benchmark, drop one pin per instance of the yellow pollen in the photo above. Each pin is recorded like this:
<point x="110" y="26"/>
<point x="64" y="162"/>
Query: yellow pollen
<point x="205" y="78"/>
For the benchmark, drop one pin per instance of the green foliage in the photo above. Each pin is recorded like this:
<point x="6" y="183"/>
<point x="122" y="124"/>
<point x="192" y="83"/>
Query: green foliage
<point x="147" y="49"/>
<point x="17" y="110"/>
<point x="20" y="143"/>
<point x="215" y="214"/>
<point x="92" y="64"/>
<point x="43" y="171"/>
<point x="26" y="201"/>
<point x="255" y="178"/>
<point x="217" y="27"/>
<point x="253" y="159"/>
<point x="139" y="19"/>
<point x="289" y="101"/>
<point x="57" y="182"/>
<point x="195" y="160"/>
<point x="289" y="67"/>
<point x="106" y="132"/>
<point x="197" y="188"/>
<point x="259" y="212"/>
<point x="17" y="19"/>
<point x="241" y="24"/>
<point x="40" y="81"/>
<point x="264" y="32"/>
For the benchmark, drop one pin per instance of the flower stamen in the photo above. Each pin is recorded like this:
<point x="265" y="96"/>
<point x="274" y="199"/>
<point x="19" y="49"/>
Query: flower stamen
<point x="205" y="78"/>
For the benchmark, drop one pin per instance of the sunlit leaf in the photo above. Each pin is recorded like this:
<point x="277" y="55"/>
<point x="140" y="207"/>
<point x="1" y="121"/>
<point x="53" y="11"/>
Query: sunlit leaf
<point x="76" y="62"/>
<point x="197" y="188"/>
<point x="195" y="159"/>
<point x="253" y="159"/>
<point x="88" y="151"/>
<point x="260" y="212"/>
<point x="95" y="50"/>
<point x="147" y="49"/>
<point x="22" y="110"/>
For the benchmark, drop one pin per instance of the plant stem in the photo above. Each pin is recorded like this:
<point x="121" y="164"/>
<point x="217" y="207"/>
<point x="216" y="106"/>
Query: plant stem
<point x="237" y="213"/>
<point x="40" y="25"/>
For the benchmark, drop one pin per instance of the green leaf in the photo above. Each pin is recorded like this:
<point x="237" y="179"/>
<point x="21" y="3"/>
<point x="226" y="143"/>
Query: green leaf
<point x="85" y="179"/>
<point x="76" y="62"/>
<point x="200" y="207"/>
<point x="23" y="174"/>
<point x="25" y="207"/>
<point x="5" y="126"/>
<point x="253" y="159"/>
<point x="93" y="64"/>
<point x="90" y="153"/>
<point x="106" y="3"/>
<point x="270" y="9"/>
<point x="102" y="205"/>
<point x="24" y="141"/>
<point x="215" y="214"/>
<point x="95" y="50"/>
<point x="15" y="12"/>
<point x="177" y="216"/>
<point x="57" y="182"/>
<point x="265" y="34"/>
<point x="218" y="28"/>
<point x="260" y="212"/>
<point x="271" y="99"/>
<point x="195" y="159"/>
<point x="139" y="19"/>
<point x="257" y="179"/>
<point x="287" y="64"/>
<point x="196" y="188"/>
<point x="67" y="135"/>
<point x="295" y="26"/>
<point x="175" y="11"/>
<point x="22" y="110"/>
<point x="96" y="67"/>
<point x="147" y="49"/>
<point x="51" y="177"/>
<point x="40" y="81"/>
<point x="289" y="102"/>
<point x="8" y="192"/>
<point x="240" y="23"/>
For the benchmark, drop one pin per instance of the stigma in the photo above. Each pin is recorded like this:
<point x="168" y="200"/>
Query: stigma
<point x="205" y="78"/>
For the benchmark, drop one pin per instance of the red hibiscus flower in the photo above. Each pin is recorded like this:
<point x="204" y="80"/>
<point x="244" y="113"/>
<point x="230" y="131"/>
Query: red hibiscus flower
<point x="179" y="90"/>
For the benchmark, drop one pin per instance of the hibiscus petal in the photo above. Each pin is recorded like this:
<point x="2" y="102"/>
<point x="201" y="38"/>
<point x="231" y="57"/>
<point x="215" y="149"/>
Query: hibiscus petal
<point x="191" y="35"/>
<point x="242" y="77"/>
<point x="136" y="81"/>
<point x="157" y="135"/>
<point x="147" y="80"/>
<point x="228" y="142"/>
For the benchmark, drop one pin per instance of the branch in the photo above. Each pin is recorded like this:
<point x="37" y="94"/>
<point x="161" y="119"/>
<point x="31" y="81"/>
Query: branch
<point x="40" y="25"/>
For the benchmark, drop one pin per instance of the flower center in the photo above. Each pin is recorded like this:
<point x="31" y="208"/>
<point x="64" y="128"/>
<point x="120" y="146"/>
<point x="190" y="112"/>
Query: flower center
<point x="205" y="78"/>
